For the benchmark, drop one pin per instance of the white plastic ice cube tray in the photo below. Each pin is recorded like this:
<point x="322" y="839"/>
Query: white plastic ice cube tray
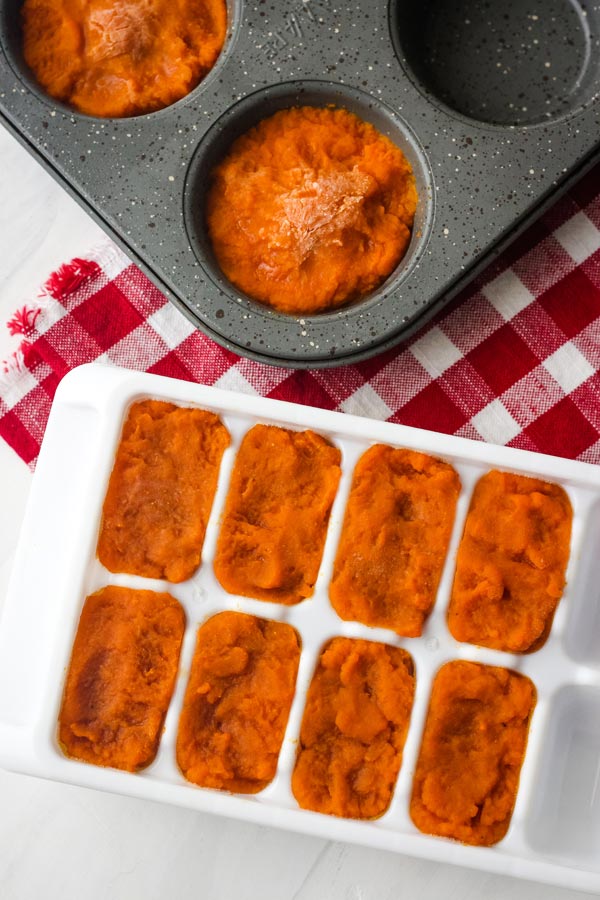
<point x="554" y="834"/>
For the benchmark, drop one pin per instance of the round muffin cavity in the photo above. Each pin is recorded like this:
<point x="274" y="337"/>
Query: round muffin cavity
<point x="311" y="209"/>
<point x="114" y="59"/>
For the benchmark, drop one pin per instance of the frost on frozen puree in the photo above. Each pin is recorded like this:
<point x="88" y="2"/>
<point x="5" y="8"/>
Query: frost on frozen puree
<point x="161" y="491"/>
<point x="121" y="677"/>
<point x="354" y="727"/>
<point x="510" y="570"/>
<point x="237" y="702"/>
<point x="394" y="540"/>
<point x="472" y="751"/>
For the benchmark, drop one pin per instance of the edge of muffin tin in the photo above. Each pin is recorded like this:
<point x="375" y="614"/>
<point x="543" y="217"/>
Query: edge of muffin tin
<point x="485" y="181"/>
<point x="45" y="599"/>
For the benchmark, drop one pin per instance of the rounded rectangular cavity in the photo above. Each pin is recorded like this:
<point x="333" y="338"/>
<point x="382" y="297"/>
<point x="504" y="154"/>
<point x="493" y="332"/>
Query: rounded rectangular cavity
<point x="237" y="702"/>
<point x="564" y="819"/>
<point x="582" y="635"/>
<point x="276" y="514"/>
<point x="353" y="729"/>
<point x="511" y="564"/>
<point x="121" y="677"/>
<point x="395" y="539"/>
<point x="474" y="743"/>
<point x="161" y="491"/>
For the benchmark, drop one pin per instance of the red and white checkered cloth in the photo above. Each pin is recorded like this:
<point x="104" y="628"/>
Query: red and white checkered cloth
<point x="515" y="360"/>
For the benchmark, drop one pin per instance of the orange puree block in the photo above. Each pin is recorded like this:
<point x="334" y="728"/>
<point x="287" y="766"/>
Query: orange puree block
<point x="237" y="702"/>
<point x="394" y="539"/>
<point x="121" y="677"/>
<point x="354" y="727"/>
<point x="121" y="57"/>
<point x="473" y="747"/>
<point x="510" y="570"/>
<point x="310" y="209"/>
<point x="273" y="531"/>
<point x="161" y="491"/>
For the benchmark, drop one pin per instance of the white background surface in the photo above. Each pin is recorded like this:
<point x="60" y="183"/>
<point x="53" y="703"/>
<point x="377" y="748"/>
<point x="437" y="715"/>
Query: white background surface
<point x="64" y="843"/>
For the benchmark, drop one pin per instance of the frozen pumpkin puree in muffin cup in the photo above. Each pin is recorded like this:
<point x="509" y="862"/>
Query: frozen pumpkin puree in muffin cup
<point x="394" y="539"/>
<point x="161" y="491"/>
<point x="510" y="569"/>
<point x="276" y="514"/>
<point x="353" y="730"/>
<point x="473" y="746"/>
<point x="310" y="209"/>
<point x="121" y="57"/>
<point x="121" y="677"/>
<point x="237" y="702"/>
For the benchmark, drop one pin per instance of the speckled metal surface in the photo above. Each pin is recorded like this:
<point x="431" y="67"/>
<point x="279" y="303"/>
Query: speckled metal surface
<point x="495" y="104"/>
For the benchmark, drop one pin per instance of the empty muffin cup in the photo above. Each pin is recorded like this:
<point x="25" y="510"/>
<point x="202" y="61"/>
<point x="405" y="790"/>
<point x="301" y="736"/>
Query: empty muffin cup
<point x="519" y="62"/>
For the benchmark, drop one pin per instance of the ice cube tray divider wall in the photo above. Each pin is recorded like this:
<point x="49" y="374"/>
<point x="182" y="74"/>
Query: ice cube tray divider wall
<point x="56" y="568"/>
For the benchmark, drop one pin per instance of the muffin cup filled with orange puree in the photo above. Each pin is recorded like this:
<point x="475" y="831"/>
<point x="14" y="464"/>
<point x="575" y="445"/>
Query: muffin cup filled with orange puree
<point x="275" y="521"/>
<point x="394" y="539"/>
<point x="353" y="730"/>
<point x="311" y="209"/>
<point x="161" y="491"/>
<point x="121" y="57"/>
<point x="237" y="702"/>
<point x="467" y="774"/>
<point x="121" y="677"/>
<point x="510" y="570"/>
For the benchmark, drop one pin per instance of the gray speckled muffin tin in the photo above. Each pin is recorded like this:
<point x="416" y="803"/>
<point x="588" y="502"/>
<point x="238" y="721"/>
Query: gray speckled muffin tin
<point x="494" y="104"/>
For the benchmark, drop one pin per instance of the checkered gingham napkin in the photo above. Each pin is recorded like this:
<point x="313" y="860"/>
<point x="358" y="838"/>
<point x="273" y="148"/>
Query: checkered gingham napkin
<point x="514" y="360"/>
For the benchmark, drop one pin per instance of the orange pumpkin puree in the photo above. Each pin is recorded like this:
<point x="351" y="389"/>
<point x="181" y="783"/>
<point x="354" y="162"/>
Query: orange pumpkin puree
<point x="121" y="677"/>
<point x="276" y="514"/>
<point x="354" y="727"/>
<point x="510" y="570"/>
<point x="121" y="57"/>
<point x="237" y="702"/>
<point x="473" y="747"/>
<point x="394" y="539"/>
<point x="310" y="209"/>
<point x="161" y="491"/>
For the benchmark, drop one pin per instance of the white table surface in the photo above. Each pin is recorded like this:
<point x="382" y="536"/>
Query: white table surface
<point x="66" y="843"/>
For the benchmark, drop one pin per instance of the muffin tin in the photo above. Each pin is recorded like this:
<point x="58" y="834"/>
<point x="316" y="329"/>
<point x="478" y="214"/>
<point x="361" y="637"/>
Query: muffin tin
<point x="494" y="104"/>
<point x="554" y="834"/>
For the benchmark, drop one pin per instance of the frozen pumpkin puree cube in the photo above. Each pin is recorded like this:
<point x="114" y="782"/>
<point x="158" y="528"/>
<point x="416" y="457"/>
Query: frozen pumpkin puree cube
<point x="475" y="737"/>
<point x="276" y="514"/>
<point x="237" y="702"/>
<point x="353" y="729"/>
<point x="121" y="677"/>
<point x="161" y="491"/>
<point x="394" y="540"/>
<point x="510" y="569"/>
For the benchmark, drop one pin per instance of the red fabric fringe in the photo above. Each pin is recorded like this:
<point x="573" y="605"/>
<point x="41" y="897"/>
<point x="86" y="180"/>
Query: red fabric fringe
<point x="23" y="321"/>
<point x="69" y="277"/>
